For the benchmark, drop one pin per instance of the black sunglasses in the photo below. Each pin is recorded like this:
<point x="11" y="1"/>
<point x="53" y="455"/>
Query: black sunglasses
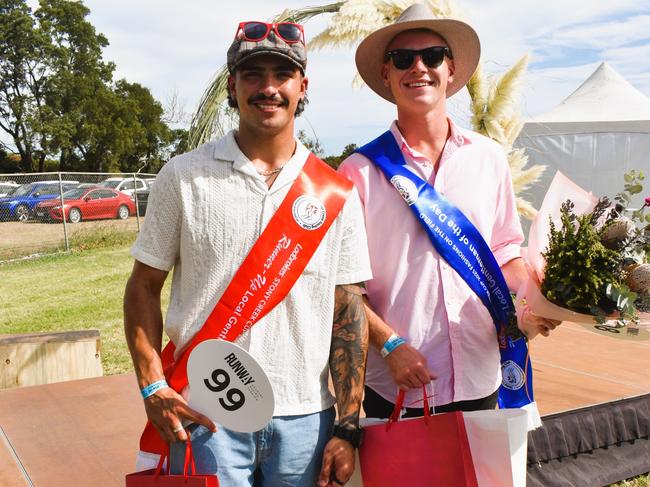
<point x="432" y="57"/>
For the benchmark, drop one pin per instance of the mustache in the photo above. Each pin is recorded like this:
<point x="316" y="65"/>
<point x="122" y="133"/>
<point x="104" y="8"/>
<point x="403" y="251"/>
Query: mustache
<point x="262" y="97"/>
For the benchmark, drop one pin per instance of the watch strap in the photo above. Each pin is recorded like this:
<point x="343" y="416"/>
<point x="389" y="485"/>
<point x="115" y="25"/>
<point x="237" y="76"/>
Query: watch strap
<point x="354" y="436"/>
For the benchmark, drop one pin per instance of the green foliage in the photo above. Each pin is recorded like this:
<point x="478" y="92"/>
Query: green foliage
<point x="639" y="242"/>
<point x="22" y="84"/>
<point x="313" y="144"/>
<point x="586" y="267"/>
<point x="179" y="144"/>
<point x="58" y="98"/>
<point x="640" y="481"/>
<point x="8" y="164"/>
<point x="632" y="186"/>
<point x="335" y="161"/>
<point x="578" y="266"/>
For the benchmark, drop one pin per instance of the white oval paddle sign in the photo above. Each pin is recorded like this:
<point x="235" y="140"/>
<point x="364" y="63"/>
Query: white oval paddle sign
<point x="229" y="386"/>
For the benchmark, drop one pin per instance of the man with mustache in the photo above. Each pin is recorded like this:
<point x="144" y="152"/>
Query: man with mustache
<point x="209" y="212"/>
<point x="443" y="233"/>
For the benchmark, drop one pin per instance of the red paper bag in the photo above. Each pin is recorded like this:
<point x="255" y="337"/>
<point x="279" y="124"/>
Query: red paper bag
<point x="430" y="451"/>
<point x="156" y="477"/>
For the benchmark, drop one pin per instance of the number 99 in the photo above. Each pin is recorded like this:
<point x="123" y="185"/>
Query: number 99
<point x="220" y="384"/>
<point x="235" y="398"/>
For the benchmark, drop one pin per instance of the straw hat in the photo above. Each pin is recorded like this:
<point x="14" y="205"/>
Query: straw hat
<point x="461" y="40"/>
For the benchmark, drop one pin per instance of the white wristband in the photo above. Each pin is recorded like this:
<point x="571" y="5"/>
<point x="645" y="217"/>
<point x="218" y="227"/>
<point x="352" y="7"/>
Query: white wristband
<point x="152" y="388"/>
<point x="391" y="344"/>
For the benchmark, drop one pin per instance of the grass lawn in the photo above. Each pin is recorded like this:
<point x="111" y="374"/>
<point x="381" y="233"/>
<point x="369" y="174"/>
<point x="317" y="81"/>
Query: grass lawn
<point x="83" y="290"/>
<point x="65" y="292"/>
<point x="642" y="481"/>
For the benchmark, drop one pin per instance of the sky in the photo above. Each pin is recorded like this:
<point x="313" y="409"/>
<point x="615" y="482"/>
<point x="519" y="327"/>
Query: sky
<point x="175" y="47"/>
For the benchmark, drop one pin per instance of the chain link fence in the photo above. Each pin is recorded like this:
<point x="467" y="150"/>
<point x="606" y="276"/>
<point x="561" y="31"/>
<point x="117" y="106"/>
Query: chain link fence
<point x="43" y="213"/>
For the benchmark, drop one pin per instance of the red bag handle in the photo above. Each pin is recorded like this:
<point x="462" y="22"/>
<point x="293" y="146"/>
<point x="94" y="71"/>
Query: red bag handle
<point x="394" y="417"/>
<point x="189" y="460"/>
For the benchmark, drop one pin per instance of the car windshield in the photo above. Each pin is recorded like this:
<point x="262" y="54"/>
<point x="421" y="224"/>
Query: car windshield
<point x="110" y="184"/>
<point x="23" y="190"/>
<point x="74" y="194"/>
<point x="7" y="188"/>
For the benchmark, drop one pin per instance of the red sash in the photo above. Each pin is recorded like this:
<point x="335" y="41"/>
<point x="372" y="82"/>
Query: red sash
<point x="268" y="273"/>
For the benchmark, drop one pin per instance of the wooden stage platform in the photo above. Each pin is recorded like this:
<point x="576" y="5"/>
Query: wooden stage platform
<point x="86" y="432"/>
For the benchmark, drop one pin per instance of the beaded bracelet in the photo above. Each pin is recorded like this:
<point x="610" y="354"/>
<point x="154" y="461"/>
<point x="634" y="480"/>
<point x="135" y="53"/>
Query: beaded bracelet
<point x="152" y="388"/>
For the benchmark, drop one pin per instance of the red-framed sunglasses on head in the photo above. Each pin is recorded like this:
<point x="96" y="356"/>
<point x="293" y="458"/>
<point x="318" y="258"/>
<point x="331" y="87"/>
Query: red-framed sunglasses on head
<point x="255" y="31"/>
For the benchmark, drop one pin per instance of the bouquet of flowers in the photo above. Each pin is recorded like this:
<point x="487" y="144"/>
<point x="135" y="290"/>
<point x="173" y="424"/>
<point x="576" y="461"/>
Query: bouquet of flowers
<point x="589" y="258"/>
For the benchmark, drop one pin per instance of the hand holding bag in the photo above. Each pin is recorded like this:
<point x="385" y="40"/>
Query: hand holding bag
<point x="156" y="477"/>
<point x="430" y="451"/>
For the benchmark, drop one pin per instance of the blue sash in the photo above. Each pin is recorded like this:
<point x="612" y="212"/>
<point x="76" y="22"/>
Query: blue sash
<point x="458" y="241"/>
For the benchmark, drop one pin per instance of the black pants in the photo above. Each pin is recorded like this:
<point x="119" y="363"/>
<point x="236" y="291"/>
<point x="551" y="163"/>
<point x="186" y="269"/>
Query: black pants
<point x="376" y="406"/>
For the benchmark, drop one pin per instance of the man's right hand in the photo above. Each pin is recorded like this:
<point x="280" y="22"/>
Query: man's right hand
<point x="166" y="409"/>
<point x="409" y="368"/>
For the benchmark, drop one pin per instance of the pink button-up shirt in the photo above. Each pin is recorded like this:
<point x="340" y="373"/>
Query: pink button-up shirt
<point x="413" y="289"/>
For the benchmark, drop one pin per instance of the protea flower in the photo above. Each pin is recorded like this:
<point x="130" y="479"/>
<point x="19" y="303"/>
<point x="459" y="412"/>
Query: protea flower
<point x="638" y="279"/>
<point x="617" y="232"/>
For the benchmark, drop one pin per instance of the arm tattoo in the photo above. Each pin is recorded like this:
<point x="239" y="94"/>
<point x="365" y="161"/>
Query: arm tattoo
<point x="348" y="352"/>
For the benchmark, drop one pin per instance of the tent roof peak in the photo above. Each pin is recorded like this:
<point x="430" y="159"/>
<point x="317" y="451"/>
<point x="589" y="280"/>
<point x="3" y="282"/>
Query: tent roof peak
<point x="605" y="96"/>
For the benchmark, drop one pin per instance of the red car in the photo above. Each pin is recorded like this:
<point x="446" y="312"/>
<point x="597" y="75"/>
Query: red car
<point x="87" y="204"/>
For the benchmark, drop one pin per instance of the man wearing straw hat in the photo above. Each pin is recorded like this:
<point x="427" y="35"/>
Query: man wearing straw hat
<point x="443" y="234"/>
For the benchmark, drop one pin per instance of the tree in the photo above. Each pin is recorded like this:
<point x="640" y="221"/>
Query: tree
<point x="335" y="161"/>
<point x="8" y="164"/>
<point x="148" y="135"/>
<point x="23" y="81"/>
<point x="180" y="143"/>
<point x="49" y="60"/>
<point x="58" y="98"/>
<point x="313" y="144"/>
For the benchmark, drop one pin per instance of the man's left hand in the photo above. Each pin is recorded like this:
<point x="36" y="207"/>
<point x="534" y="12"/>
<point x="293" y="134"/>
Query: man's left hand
<point x="338" y="463"/>
<point x="531" y="324"/>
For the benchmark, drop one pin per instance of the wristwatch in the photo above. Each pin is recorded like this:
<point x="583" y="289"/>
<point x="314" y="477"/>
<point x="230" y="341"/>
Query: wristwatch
<point x="352" y="435"/>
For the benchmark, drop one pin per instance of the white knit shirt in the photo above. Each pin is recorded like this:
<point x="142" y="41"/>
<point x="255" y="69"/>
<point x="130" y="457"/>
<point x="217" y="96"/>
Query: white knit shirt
<point x="206" y="210"/>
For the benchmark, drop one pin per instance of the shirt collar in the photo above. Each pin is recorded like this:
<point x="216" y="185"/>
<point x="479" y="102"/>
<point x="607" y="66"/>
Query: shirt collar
<point x="226" y="149"/>
<point x="456" y="139"/>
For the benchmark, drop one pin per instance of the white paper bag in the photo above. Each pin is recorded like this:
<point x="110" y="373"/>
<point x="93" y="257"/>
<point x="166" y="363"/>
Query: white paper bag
<point x="499" y="443"/>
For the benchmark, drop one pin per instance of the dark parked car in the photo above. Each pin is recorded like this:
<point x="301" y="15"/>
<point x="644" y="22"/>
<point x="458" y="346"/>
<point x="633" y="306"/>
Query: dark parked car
<point x="143" y="199"/>
<point x="20" y="204"/>
<point x="87" y="204"/>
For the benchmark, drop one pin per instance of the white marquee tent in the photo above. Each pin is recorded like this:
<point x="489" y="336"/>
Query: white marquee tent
<point x="597" y="134"/>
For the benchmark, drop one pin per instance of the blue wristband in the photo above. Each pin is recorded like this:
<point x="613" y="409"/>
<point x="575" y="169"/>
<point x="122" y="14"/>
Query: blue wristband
<point x="391" y="344"/>
<point x="151" y="389"/>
